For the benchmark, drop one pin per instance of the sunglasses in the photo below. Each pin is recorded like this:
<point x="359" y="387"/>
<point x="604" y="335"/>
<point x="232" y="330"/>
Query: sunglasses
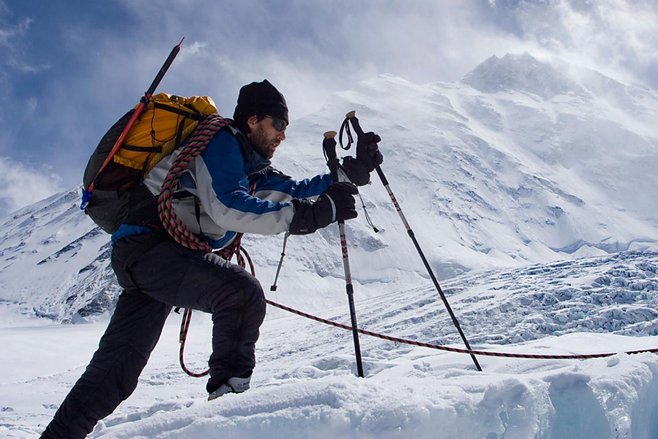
<point x="278" y="124"/>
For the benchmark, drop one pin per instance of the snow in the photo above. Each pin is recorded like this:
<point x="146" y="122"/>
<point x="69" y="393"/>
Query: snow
<point x="530" y="188"/>
<point x="305" y="384"/>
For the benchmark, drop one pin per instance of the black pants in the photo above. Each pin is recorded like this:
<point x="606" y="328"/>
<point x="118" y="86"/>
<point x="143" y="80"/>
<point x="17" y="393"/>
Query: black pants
<point x="156" y="274"/>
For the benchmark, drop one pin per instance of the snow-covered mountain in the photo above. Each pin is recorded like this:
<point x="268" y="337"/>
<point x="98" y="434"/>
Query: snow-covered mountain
<point x="523" y="161"/>
<point x="55" y="261"/>
<point x="530" y="187"/>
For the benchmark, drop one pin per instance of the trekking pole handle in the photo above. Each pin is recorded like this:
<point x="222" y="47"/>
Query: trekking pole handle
<point x="351" y="116"/>
<point x="355" y="122"/>
<point x="329" y="147"/>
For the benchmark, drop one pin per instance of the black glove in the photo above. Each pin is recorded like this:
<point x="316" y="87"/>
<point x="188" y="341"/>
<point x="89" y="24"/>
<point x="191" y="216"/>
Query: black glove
<point x="367" y="158"/>
<point x="335" y="204"/>
<point x="367" y="151"/>
<point x="356" y="171"/>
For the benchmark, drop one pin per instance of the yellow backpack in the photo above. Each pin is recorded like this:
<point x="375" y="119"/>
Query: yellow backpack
<point x="165" y="124"/>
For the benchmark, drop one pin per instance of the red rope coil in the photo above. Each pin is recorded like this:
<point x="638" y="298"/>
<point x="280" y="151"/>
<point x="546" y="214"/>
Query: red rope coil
<point x="192" y="148"/>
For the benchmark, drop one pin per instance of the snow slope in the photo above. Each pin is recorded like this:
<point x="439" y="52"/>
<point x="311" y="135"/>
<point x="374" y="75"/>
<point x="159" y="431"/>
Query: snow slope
<point x="305" y="383"/>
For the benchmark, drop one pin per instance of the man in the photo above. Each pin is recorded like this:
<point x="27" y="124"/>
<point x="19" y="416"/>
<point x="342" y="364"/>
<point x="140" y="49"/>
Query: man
<point x="229" y="189"/>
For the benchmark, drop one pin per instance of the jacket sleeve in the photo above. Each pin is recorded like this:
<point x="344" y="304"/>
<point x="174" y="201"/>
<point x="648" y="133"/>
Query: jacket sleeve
<point x="277" y="186"/>
<point x="223" y="191"/>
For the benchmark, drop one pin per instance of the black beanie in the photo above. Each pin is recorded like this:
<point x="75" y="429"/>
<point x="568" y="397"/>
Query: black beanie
<point x="259" y="99"/>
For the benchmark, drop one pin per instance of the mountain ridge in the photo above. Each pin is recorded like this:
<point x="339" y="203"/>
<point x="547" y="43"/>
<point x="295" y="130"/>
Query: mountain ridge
<point x="501" y="178"/>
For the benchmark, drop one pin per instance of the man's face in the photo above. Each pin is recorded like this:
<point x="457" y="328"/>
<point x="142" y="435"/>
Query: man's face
<point x="264" y="137"/>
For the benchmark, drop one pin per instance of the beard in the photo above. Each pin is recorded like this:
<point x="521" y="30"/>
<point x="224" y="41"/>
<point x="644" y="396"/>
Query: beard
<point x="261" y="142"/>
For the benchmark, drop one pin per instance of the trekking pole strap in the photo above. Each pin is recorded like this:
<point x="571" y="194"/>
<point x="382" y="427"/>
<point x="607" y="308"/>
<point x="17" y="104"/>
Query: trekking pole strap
<point x="345" y="129"/>
<point x="351" y="117"/>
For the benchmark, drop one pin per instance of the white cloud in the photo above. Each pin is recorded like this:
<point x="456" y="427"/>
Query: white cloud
<point x="21" y="185"/>
<point x="617" y="37"/>
<point x="323" y="46"/>
<point x="307" y="49"/>
<point x="12" y="36"/>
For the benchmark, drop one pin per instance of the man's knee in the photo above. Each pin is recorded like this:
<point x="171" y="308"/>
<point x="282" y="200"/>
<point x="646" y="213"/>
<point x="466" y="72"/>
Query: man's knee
<point x="246" y="302"/>
<point x="253" y="290"/>
<point x="254" y="297"/>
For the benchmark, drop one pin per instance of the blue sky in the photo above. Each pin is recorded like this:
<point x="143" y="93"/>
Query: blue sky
<point x="69" y="68"/>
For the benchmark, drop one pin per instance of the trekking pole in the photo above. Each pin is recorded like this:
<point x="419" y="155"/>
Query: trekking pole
<point x="141" y="107"/>
<point x="351" y="116"/>
<point x="329" y="147"/>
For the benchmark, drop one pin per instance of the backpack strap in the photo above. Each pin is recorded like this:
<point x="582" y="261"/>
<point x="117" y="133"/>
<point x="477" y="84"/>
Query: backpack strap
<point x="192" y="114"/>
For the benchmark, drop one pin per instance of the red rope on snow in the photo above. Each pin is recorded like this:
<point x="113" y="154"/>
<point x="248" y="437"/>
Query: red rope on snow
<point x="243" y="256"/>
<point x="414" y="342"/>
<point x="451" y="349"/>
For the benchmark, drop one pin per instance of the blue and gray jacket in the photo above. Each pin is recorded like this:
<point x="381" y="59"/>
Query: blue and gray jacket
<point x="213" y="198"/>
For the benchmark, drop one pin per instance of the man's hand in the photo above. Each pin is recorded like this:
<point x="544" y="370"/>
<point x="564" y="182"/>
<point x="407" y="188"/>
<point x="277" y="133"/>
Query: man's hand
<point x="367" y="151"/>
<point x="367" y="159"/>
<point x="337" y="203"/>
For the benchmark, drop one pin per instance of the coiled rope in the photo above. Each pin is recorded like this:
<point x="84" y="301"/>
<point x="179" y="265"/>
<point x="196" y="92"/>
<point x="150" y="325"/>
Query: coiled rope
<point x="192" y="148"/>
